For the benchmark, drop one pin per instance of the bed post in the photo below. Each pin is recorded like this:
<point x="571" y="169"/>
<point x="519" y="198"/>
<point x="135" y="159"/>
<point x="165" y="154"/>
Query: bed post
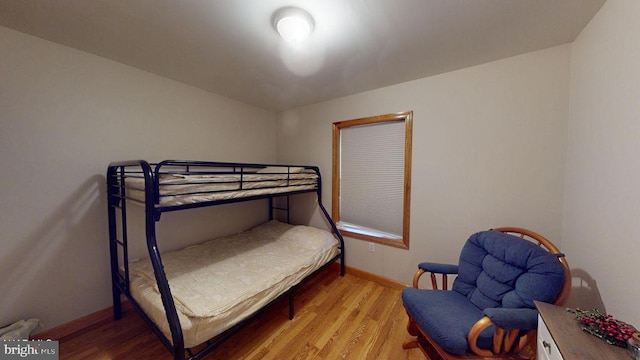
<point x="165" y="292"/>
<point x="151" y="216"/>
<point x="330" y="220"/>
<point x="120" y="283"/>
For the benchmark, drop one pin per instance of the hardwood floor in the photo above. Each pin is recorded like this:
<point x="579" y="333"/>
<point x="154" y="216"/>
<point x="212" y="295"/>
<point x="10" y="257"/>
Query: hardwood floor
<point x="336" y="318"/>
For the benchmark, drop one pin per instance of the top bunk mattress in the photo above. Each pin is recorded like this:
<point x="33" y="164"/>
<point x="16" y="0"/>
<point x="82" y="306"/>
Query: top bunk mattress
<point x="190" y="188"/>
<point x="219" y="283"/>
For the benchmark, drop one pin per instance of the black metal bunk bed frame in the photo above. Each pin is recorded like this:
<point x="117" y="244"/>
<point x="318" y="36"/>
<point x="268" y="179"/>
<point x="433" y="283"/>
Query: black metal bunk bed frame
<point x="117" y="209"/>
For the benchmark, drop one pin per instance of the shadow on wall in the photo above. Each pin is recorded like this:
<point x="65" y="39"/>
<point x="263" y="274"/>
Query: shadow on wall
<point x="45" y="275"/>
<point x="584" y="292"/>
<point x="179" y="229"/>
<point x="306" y="211"/>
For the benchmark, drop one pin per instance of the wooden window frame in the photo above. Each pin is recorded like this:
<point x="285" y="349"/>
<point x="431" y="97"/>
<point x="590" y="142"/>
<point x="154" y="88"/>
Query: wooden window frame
<point x="407" y="118"/>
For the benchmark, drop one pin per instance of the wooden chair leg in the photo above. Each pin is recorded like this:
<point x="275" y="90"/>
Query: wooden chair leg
<point x="413" y="331"/>
<point x="412" y="327"/>
<point x="411" y="344"/>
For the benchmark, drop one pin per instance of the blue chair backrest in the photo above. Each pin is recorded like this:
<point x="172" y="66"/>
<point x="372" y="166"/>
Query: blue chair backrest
<point x="502" y="270"/>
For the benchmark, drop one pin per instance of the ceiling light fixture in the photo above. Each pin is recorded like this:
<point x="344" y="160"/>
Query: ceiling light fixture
<point x="292" y="23"/>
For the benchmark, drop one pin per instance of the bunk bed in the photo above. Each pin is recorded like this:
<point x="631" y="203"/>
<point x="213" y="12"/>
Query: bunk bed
<point x="197" y="297"/>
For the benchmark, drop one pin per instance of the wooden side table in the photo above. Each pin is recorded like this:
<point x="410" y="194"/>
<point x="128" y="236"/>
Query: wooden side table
<point x="567" y="338"/>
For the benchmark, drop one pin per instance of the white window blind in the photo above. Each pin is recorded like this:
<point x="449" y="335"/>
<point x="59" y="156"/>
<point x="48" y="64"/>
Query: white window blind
<point x="372" y="165"/>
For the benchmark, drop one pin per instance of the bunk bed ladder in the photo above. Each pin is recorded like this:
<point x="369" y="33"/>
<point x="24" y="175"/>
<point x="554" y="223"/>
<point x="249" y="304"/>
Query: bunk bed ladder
<point x="117" y="206"/>
<point x="116" y="174"/>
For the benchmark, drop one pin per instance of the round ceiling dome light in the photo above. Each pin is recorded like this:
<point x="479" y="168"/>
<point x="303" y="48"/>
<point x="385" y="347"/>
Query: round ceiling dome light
<point x="292" y="23"/>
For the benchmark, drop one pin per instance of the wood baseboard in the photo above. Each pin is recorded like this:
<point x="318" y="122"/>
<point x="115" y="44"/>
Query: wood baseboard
<point x="66" y="329"/>
<point x="372" y="277"/>
<point x="106" y="314"/>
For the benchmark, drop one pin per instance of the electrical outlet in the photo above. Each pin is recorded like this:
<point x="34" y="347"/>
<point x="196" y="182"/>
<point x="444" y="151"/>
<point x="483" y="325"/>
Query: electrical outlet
<point x="372" y="247"/>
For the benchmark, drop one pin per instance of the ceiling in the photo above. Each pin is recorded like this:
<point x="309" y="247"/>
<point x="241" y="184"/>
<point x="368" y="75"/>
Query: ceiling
<point x="230" y="48"/>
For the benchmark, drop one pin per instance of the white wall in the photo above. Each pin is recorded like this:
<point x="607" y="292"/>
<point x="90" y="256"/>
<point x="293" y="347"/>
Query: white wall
<point x="602" y="191"/>
<point x="488" y="150"/>
<point x="64" y="115"/>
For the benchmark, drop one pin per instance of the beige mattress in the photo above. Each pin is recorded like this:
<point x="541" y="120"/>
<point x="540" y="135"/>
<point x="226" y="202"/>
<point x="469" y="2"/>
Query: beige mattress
<point x="221" y="282"/>
<point x="190" y="189"/>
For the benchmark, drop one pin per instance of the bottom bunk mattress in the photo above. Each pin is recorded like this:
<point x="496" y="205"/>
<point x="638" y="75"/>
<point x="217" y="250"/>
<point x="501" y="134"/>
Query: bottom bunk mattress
<point x="219" y="283"/>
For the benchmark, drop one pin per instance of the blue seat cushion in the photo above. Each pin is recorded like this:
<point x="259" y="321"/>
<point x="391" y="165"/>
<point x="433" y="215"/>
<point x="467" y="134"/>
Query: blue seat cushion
<point x="446" y="316"/>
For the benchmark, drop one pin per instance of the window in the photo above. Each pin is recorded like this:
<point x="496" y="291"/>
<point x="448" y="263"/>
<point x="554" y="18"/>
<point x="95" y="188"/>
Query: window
<point x="372" y="178"/>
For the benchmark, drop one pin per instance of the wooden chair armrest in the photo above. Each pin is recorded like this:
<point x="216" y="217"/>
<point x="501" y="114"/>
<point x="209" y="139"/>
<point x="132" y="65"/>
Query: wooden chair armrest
<point x="434" y="282"/>
<point x="474" y="333"/>
<point x="433" y="269"/>
<point x="416" y="277"/>
<point x="503" y="340"/>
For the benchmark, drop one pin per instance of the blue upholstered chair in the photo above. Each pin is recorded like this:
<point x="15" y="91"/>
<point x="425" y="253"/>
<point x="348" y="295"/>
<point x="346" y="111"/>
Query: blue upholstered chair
<point x="489" y="310"/>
